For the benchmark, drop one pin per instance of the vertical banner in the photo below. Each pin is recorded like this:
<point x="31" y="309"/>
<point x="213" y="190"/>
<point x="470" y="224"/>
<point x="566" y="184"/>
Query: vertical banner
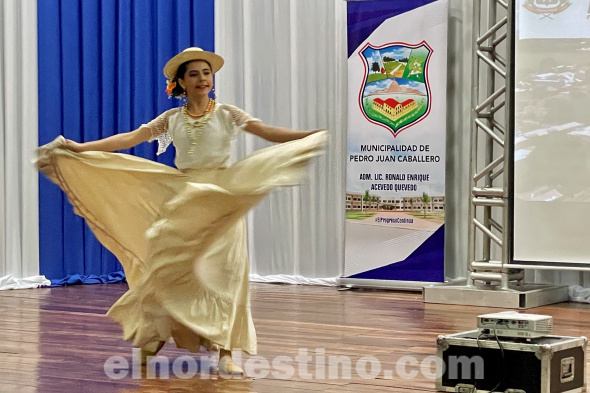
<point x="395" y="185"/>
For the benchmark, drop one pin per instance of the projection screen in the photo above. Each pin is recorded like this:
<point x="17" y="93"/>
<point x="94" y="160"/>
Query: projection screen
<point x="552" y="133"/>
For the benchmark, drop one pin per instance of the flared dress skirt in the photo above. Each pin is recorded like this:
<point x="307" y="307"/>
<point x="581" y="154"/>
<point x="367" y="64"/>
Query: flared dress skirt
<point x="179" y="235"/>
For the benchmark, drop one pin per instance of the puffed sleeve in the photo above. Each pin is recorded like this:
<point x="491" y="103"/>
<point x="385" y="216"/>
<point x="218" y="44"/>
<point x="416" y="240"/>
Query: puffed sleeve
<point x="159" y="130"/>
<point x="237" y="118"/>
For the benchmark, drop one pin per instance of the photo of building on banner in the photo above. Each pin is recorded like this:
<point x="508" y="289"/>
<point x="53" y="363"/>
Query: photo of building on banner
<point x="395" y="186"/>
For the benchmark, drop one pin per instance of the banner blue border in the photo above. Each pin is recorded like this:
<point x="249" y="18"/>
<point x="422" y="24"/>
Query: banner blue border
<point x="365" y="16"/>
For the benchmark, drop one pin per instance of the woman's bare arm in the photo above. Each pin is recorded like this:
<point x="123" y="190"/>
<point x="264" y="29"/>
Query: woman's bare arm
<point x="275" y="134"/>
<point x="121" y="141"/>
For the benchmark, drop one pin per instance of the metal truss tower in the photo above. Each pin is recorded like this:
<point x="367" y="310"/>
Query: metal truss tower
<point x="491" y="280"/>
<point x="492" y="150"/>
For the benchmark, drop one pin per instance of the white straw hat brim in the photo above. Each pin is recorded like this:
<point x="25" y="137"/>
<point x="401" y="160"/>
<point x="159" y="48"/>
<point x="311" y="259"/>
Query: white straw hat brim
<point x="191" y="54"/>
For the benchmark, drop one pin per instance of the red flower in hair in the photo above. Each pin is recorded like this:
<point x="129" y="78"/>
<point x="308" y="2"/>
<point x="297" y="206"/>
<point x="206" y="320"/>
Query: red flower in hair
<point x="171" y="85"/>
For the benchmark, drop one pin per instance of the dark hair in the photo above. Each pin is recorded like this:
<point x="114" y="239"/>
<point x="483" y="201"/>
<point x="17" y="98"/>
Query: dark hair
<point x="178" y="90"/>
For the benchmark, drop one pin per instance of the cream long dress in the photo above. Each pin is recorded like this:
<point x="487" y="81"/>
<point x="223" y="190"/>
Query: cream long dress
<point x="180" y="233"/>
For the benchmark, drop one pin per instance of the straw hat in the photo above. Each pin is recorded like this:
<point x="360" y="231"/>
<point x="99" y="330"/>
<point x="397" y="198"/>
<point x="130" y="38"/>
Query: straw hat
<point x="190" y="54"/>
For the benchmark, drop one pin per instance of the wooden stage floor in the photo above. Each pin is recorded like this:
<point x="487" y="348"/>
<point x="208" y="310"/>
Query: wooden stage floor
<point x="58" y="340"/>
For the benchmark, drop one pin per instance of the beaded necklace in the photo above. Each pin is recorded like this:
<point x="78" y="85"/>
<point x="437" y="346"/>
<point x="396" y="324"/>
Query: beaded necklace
<point x="194" y="128"/>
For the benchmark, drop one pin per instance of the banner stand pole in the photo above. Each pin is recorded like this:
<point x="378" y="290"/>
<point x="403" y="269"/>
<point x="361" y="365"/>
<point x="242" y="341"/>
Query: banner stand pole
<point x="410" y="286"/>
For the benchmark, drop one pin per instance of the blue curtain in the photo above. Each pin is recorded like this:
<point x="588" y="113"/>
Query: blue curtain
<point x="100" y="73"/>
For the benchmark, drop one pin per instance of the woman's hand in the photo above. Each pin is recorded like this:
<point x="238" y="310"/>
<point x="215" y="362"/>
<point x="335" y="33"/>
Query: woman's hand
<point x="73" y="146"/>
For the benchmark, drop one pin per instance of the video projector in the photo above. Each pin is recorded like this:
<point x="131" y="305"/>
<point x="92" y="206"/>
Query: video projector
<point x="514" y="324"/>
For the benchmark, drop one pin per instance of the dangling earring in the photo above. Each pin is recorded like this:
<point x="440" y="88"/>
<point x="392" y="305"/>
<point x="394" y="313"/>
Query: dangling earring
<point x="213" y="91"/>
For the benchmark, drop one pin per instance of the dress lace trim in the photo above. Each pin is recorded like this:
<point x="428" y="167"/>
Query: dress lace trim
<point x="159" y="130"/>
<point x="164" y="140"/>
<point x="159" y="126"/>
<point x="237" y="116"/>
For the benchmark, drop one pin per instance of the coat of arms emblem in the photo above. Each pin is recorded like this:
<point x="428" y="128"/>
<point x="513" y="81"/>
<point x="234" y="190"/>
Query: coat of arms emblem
<point x="395" y="93"/>
<point x="546" y="8"/>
